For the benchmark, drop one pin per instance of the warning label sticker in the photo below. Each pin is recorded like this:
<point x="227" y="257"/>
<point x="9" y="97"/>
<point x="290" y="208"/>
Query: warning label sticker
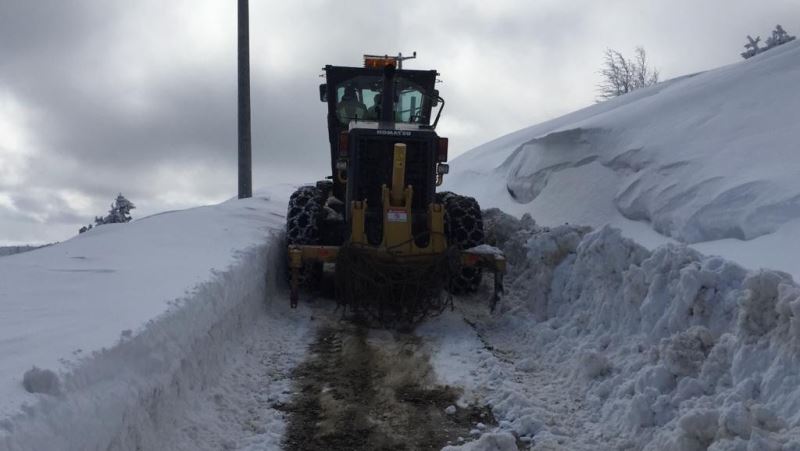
<point x="397" y="215"/>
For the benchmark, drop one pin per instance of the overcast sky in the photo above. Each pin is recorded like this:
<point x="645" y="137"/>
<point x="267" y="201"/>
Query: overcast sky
<point x="139" y="97"/>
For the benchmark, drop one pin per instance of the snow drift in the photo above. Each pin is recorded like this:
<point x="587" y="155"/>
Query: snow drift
<point x="102" y="335"/>
<point x="657" y="350"/>
<point x="709" y="157"/>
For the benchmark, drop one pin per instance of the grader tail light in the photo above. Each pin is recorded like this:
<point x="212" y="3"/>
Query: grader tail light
<point x="441" y="151"/>
<point x="344" y="142"/>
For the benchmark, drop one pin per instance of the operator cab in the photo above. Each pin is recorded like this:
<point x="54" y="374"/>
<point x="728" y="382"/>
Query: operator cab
<point x="360" y="99"/>
<point x="356" y="94"/>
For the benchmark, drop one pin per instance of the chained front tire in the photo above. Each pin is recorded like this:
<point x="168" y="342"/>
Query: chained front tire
<point x="463" y="226"/>
<point x="303" y="226"/>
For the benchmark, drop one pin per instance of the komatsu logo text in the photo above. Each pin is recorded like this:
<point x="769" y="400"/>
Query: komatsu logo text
<point x="393" y="132"/>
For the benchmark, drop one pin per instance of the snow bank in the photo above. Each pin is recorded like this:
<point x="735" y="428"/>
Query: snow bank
<point x="657" y="350"/>
<point x="708" y="158"/>
<point x="129" y="319"/>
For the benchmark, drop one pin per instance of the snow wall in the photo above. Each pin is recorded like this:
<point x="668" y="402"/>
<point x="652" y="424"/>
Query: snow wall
<point x="122" y="397"/>
<point x="671" y="349"/>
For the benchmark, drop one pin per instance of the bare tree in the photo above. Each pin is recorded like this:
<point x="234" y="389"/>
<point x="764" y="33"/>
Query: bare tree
<point x="645" y="76"/>
<point x="622" y="75"/>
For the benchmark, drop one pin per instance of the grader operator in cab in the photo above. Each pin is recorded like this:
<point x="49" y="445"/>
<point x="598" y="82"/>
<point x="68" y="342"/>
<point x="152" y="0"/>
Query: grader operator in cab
<point x="395" y="242"/>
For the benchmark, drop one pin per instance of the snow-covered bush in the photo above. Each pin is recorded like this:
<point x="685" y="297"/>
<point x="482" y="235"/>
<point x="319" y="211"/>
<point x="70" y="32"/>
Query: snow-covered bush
<point x="779" y="37"/>
<point x="752" y="47"/>
<point x="119" y="213"/>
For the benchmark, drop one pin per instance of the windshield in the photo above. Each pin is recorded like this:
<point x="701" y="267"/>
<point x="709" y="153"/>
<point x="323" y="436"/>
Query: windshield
<point x="360" y="98"/>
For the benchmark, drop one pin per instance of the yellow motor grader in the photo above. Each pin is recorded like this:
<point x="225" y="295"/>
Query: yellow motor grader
<point x="395" y="242"/>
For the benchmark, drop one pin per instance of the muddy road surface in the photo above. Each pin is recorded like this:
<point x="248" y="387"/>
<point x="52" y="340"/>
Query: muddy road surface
<point x="363" y="389"/>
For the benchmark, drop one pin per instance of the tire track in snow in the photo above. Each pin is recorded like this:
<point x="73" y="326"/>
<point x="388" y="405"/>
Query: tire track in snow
<point x="545" y="386"/>
<point x="530" y="400"/>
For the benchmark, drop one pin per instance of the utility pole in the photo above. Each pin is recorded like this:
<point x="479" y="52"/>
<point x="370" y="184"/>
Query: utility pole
<point x="245" y="144"/>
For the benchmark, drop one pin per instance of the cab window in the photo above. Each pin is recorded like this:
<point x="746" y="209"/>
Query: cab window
<point x="360" y="98"/>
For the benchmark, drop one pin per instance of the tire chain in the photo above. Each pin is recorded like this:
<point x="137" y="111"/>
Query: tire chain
<point x="302" y="219"/>
<point x="302" y="227"/>
<point x="463" y="226"/>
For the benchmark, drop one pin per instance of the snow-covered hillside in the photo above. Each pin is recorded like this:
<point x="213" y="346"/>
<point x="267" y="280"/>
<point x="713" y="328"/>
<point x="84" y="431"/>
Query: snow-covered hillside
<point x="709" y="158"/>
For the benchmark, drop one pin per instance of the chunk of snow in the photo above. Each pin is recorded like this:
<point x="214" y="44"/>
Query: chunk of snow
<point x="594" y="365"/>
<point x="700" y="425"/>
<point x="37" y="380"/>
<point x="735" y="420"/>
<point x="484" y="249"/>
<point x="501" y="441"/>
<point x="685" y="352"/>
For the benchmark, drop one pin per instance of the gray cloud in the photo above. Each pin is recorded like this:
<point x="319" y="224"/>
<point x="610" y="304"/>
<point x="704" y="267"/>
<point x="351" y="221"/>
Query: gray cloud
<point x="99" y="97"/>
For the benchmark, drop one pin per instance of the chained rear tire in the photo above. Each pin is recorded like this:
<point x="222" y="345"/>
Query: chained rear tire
<point x="463" y="226"/>
<point x="303" y="218"/>
<point x="303" y="226"/>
